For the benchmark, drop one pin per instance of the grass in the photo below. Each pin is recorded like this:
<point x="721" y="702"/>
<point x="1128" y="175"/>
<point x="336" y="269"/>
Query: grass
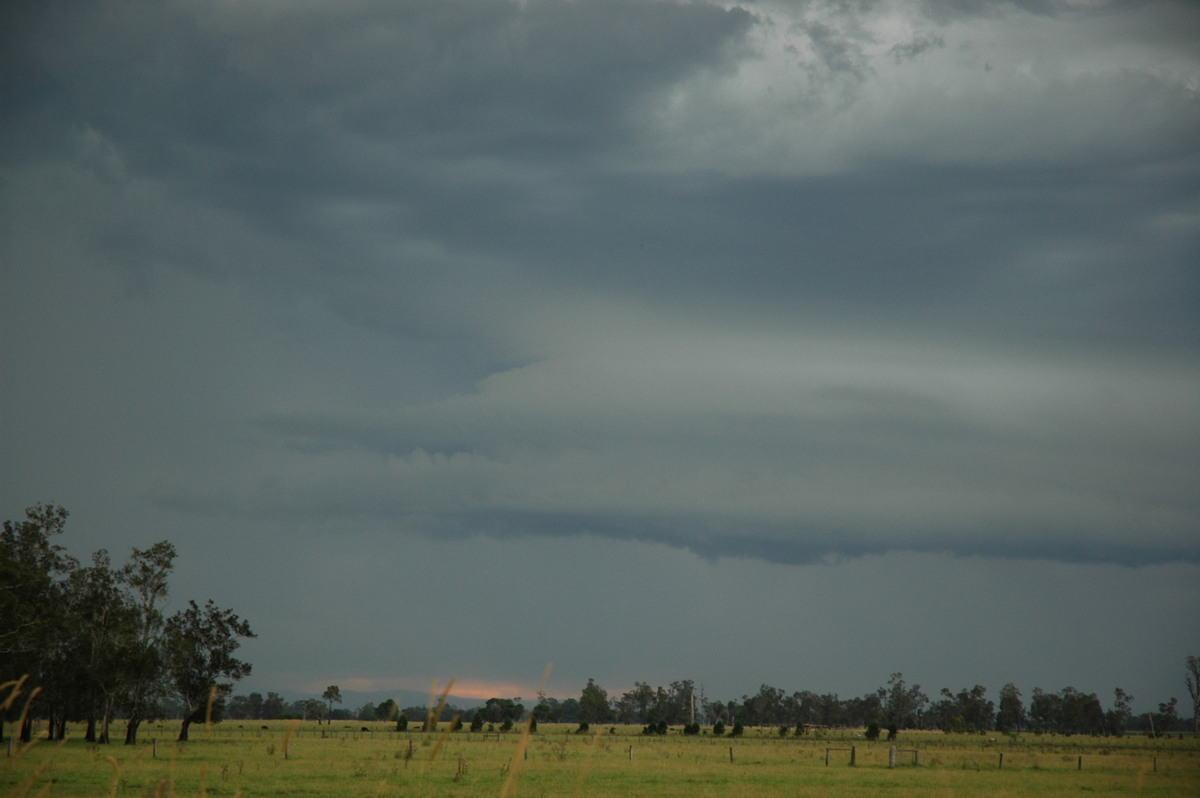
<point x="342" y="760"/>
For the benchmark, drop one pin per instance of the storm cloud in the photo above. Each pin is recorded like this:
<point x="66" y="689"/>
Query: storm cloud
<point x="778" y="284"/>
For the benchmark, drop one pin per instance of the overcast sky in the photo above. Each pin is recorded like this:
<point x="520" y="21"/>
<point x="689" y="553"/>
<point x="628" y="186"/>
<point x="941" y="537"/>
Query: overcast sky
<point x="794" y="343"/>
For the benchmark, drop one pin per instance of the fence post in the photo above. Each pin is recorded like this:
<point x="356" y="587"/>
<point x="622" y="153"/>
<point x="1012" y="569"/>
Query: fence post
<point x="731" y="753"/>
<point x="892" y="757"/>
<point x="1081" y="763"/>
<point x="853" y="754"/>
<point x="826" y="757"/>
<point x="631" y="753"/>
<point x="1001" y="760"/>
<point x="154" y="745"/>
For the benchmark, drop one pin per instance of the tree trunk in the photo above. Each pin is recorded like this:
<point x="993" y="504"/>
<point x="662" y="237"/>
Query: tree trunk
<point x="89" y="736"/>
<point x="27" y="730"/>
<point x="183" y="730"/>
<point x="131" y="731"/>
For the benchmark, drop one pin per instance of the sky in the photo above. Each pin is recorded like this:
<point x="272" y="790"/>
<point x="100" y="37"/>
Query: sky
<point x="788" y="343"/>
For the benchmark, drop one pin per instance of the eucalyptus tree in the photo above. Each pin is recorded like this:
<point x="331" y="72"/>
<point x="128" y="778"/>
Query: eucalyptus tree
<point x="104" y="623"/>
<point x="1011" y="714"/>
<point x="33" y="604"/>
<point x="199" y="643"/>
<point x="902" y="704"/>
<point x="146" y="575"/>
<point x="1193" y="685"/>
<point x="198" y="646"/>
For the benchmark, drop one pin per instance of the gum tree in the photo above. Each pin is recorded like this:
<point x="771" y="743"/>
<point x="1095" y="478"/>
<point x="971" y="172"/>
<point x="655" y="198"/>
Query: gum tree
<point x="199" y="643"/>
<point x="1193" y="686"/>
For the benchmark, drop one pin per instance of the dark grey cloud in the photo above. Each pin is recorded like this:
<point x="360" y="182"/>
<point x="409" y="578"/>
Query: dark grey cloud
<point x="794" y="286"/>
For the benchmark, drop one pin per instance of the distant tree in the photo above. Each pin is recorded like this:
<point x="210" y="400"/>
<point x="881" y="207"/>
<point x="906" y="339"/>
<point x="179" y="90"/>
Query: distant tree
<point x="718" y="729"/>
<point x="593" y="704"/>
<point x="872" y="732"/>
<point x="1045" y="710"/>
<point x="387" y="710"/>
<point x="199" y="644"/>
<point x="1166" y="719"/>
<point x="331" y="696"/>
<point x="1193" y="685"/>
<point x="1116" y="720"/>
<point x="902" y="705"/>
<point x="273" y="707"/>
<point x="402" y="723"/>
<point x="254" y="705"/>
<point x="737" y="730"/>
<point x="1082" y="712"/>
<point x="570" y="711"/>
<point x="1011" y="716"/>
<point x="502" y="711"/>
<point x="310" y="708"/>
<point x="365" y="712"/>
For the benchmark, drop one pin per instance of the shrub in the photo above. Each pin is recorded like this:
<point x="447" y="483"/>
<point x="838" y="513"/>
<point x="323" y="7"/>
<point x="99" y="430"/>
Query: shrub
<point x="718" y="728"/>
<point x="873" y="731"/>
<point x="737" y="730"/>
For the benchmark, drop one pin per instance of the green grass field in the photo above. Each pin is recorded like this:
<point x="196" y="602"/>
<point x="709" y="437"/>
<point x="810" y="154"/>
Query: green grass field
<point x="343" y="760"/>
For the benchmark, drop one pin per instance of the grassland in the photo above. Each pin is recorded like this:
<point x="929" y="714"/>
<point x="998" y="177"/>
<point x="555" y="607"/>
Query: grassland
<point x="285" y="759"/>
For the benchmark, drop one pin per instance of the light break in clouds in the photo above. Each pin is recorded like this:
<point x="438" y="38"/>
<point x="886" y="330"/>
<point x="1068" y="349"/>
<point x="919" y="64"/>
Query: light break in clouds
<point x="450" y="301"/>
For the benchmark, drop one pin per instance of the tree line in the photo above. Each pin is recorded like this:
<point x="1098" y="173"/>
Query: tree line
<point x="898" y="705"/>
<point x="90" y="643"/>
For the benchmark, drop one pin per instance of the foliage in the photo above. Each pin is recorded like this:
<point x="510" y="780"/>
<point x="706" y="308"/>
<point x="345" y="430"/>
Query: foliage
<point x="593" y="704"/>
<point x="199" y="643"/>
<point x="331" y="696"/>
<point x="95" y="640"/>
<point x="1192" y="680"/>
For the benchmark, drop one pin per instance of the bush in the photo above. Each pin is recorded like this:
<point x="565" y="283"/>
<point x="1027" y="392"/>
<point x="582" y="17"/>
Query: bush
<point x="873" y="731"/>
<point x="402" y="722"/>
<point x="718" y="729"/>
<point x="737" y="730"/>
<point x="892" y="732"/>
